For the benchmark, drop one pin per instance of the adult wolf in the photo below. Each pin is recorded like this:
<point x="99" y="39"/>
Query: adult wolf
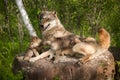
<point x="63" y="41"/>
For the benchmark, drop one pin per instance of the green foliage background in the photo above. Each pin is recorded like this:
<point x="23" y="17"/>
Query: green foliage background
<point x="82" y="17"/>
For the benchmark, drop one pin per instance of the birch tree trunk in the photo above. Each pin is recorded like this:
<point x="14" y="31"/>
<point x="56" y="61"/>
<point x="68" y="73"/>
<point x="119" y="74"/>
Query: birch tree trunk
<point x="25" y="18"/>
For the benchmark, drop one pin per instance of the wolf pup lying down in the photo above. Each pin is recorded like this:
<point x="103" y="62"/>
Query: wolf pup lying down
<point x="63" y="42"/>
<point x="34" y="48"/>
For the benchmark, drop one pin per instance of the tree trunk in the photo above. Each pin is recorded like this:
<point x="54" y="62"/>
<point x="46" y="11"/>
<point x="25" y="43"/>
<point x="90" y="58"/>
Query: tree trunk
<point x="100" y="68"/>
<point x="25" y="18"/>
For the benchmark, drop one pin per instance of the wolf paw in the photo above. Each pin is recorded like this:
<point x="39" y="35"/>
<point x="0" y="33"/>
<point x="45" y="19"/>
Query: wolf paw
<point x="32" y="60"/>
<point x="26" y="58"/>
<point x="83" y="60"/>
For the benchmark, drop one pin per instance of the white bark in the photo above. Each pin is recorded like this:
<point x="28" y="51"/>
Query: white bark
<point x="25" y="18"/>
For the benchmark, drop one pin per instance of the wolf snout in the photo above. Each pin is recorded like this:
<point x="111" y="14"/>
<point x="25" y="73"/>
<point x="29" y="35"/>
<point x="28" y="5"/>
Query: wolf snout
<point x="42" y="26"/>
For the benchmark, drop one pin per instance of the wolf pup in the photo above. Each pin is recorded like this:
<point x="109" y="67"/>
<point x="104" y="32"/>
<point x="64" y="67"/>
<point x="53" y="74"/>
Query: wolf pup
<point x="34" y="48"/>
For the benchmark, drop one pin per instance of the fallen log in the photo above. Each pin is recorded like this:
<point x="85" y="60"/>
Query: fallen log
<point x="100" y="68"/>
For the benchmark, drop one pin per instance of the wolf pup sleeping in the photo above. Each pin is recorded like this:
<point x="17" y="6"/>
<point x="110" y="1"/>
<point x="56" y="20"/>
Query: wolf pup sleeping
<point x="62" y="41"/>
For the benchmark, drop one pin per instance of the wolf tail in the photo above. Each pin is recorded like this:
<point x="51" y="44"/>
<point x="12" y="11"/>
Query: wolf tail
<point x="104" y="43"/>
<point x="104" y="38"/>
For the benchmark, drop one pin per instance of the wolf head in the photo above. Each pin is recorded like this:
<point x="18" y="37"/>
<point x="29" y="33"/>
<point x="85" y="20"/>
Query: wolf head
<point x="48" y="20"/>
<point x="35" y="42"/>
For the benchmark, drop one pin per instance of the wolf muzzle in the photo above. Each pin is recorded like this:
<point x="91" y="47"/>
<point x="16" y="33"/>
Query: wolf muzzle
<point x="43" y="27"/>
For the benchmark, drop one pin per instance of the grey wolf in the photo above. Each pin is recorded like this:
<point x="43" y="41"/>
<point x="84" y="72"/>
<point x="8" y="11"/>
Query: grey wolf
<point x="63" y="42"/>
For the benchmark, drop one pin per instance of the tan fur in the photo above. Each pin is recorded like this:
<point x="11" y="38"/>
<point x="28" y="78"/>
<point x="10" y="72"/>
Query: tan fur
<point x="91" y="49"/>
<point x="88" y="46"/>
<point x="65" y="42"/>
<point x="33" y="49"/>
<point x="52" y="29"/>
<point x="104" y="38"/>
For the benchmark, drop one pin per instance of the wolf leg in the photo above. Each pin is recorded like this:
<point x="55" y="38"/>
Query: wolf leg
<point x="35" y="52"/>
<point x="57" y="56"/>
<point x="43" y="55"/>
<point x="29" y="53"/>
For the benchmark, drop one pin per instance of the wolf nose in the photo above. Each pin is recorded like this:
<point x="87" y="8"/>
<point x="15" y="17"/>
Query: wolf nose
<point x="41" y="26"/>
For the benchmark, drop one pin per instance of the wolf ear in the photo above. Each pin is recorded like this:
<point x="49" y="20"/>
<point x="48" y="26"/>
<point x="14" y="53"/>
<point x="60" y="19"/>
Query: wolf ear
<point x="54" y="13"/>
